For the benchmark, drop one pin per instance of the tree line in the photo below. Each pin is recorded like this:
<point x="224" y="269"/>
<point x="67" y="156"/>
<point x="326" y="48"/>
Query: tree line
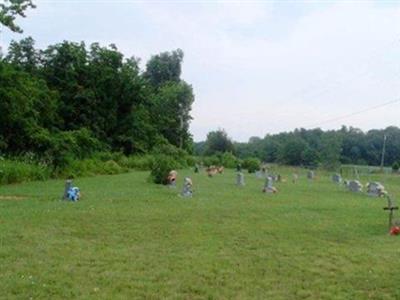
<point x="71" y="99"/>
<point x="311" y="148"/>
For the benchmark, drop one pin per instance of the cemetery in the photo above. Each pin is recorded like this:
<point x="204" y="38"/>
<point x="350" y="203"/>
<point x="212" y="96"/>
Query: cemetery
<point x="125" y="224"/>
<point x="119" y="179"/>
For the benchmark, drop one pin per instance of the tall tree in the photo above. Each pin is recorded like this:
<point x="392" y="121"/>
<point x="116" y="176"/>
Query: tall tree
<point x="218" y="141"/>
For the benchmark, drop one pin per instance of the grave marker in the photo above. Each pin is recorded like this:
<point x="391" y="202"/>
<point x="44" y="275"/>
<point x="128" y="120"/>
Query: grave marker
<point x="390" y="207"/>
<point x="269" y="186"/>
<point x="240" y="179"/>
<point x="376" y="189"/>
<point x="187" y="188"/>
<point x="295" y="178"/>
<point x="354" y="186"/>
<point x="336" y="178"/>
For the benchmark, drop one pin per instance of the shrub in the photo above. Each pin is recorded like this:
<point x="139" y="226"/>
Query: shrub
<point x="252" y="164"/>
<point x="229" y="160"/>
<point x="211" y="161"/>
<point x="395" y="166"/>
<point x="163" y="164"/>
<point x="143" y="162"/>
<point x="111" y="167"/>
<point x="178" y="155"/>
<point x="12" y="171"/>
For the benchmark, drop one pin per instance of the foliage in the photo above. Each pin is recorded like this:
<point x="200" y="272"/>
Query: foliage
<point x="212" y="160"/>
<point x="252" y="164"/>
<point x="70" y="100"/>
<point x="228" y="160"/>
<point x="218" y="141"/>
<point x="315" y="147"/>
<point x="11" y="9"/>
<point x="12" y="171"/>
<point x="395" y="166"/>
<point x="162" y="165"/>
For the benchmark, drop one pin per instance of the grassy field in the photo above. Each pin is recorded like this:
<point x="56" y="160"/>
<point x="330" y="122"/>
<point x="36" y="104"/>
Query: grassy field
<point x="130" y="239"/>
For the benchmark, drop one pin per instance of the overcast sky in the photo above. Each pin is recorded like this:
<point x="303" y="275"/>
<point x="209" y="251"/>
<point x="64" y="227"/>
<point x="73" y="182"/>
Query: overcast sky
<point x="256" y="67"/>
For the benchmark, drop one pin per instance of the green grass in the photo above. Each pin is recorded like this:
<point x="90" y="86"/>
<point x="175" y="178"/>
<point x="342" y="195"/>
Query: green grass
<point x="130" y="239"/>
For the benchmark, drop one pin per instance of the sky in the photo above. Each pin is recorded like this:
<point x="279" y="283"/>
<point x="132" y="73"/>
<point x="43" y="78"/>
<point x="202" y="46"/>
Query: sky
<point x="256" y="67"/>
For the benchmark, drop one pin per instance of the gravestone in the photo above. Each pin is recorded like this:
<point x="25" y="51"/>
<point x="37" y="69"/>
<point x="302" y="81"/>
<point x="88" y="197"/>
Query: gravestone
<point x="269" y="186"/>
<point x="259" y="174"/>
<point x="310" y="175"/>
<point x="240" y="179"/>
<point x="295" y="178"/>
<point x="376" y="189"/>
<point x="354" y="186"/>
<point x="68" y="186"/>
<point x="171" y="179"/>
<point x="336" y="178"/>
<point x="187" y="188"/>
<point x="264" y="172"/>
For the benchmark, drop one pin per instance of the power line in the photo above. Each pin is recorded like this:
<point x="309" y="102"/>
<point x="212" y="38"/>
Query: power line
<point x="354" y="113"/>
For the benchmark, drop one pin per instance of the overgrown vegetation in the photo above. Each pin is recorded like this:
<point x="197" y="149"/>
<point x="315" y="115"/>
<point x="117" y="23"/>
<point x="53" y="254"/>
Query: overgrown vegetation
<point x="69" y="101"/>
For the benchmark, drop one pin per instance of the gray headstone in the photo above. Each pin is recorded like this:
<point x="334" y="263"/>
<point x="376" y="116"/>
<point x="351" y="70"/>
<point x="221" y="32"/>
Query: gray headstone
<point x="310" y="175"/>
<point x="376" y="189"/>
<point x="68" y="185"/>
<point x="336" y="178"/>
<point x="187" y="188"/>
<point x="295" y="177"/>
<point x="269" y="185"/>
<point x="354" y="186"/>
<point x="240" y="179"/>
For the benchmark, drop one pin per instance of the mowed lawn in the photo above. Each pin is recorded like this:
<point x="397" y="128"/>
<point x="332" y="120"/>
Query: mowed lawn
<point x="130" y="239"/>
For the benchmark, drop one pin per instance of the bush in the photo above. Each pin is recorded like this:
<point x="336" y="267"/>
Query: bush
<point x="143" y="162"/>
<point x="395" y="166"/>
<point x="177" y="154"/>
<point x="163" y="164"/>
<point x="252" y="164"/>
<point x="111" y="167"/>
<point x="15" y="172"/>
<point x="229" y="160"/>
<point x="211" y="161"/>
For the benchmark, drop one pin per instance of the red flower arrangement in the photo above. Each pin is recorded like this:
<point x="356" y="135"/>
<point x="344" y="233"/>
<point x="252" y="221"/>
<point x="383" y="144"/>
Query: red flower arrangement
<point x="395" y="230"/>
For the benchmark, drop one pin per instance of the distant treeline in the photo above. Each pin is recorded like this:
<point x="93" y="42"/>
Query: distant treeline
<point x="71" y="100"/>
<point x="311" y="147"/>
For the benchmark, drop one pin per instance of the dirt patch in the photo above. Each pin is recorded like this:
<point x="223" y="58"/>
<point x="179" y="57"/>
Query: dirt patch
<point x="15" y="198"/>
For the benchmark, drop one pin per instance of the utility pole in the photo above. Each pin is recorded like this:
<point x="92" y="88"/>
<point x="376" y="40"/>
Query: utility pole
<point x="383" y="151"/>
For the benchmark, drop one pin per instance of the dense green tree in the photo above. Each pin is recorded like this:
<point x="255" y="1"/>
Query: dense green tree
<point x="69" y="94"/>
<point x="218" y="142"/>
<point x="164" y="67"/>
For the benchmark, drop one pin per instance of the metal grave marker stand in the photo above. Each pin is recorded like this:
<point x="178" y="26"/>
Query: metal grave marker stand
<point x="391" y="207"/>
